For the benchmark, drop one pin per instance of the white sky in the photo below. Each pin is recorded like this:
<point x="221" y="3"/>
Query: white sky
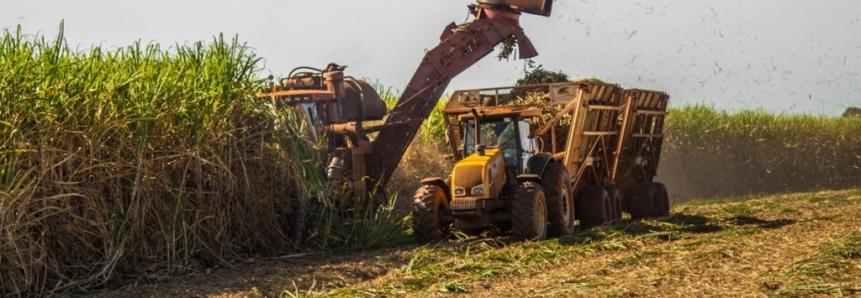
<point x="781" y="55"/>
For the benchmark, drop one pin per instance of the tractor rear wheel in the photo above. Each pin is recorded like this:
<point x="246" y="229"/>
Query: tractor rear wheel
<point x="615" y="200"/>
<point x="593" y="206"/>
<point x="641" y="203"/>
<point x="529" y="213"/>
<point x="560" y="202"/>
<point x="427" y="214"/>
<point x="662" y="200"/>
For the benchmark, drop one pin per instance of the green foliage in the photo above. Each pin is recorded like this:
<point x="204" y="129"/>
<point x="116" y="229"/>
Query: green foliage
<point x="139" y="159"/>
<point x="699" y="124"/>
<point x="822" y="272"/>
<point x="358" y="229"/>
<point x="433" y="127"/>
<point x="539" y="75"/>
<point x="150" y="160"/>
<point x="506" y="47"/>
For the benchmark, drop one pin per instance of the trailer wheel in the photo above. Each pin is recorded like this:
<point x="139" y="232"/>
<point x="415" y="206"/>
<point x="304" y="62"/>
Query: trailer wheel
<point x="529" y="213"/>
<point x="560" y="202"/>
<point x="427" y="214"/>
<point x="616" y="201"/>
<point x="640" y="203"/>
<point x="662" y="200"/>
<point x="593" y="206"/>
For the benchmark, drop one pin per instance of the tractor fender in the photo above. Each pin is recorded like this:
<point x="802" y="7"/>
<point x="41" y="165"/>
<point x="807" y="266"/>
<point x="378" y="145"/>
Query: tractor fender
<point x="439" y="182"/>
<point x="529" y="178"/>
<point x="537" y="163"/>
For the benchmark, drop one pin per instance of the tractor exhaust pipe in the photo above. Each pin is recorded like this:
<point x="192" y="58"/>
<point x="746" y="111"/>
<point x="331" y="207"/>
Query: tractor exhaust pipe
<point x="479" y="148"/>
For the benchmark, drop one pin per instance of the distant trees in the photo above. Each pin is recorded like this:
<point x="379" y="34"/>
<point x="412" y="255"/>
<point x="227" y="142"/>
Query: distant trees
<point x="852" y="112"/>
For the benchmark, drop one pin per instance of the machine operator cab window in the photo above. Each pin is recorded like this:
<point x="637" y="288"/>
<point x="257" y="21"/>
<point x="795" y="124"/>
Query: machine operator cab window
<point x="508" y="134"/>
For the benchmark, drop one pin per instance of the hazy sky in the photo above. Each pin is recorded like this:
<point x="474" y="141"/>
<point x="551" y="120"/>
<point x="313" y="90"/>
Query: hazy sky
<point x="782" y="55"/>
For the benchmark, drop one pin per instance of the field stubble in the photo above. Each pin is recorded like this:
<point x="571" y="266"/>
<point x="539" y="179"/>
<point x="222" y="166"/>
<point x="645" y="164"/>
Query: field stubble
<point x="785" y="245"/>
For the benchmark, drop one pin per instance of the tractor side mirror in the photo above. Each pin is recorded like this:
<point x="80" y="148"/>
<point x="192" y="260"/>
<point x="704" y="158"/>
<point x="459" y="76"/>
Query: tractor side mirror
<point x="531" y="129"/>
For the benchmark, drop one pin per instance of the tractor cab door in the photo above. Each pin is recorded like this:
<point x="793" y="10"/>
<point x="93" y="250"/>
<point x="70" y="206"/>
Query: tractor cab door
<point x="529" y="147"/>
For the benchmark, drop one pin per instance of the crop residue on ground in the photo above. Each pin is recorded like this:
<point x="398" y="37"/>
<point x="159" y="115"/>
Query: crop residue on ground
<point x="782" y="245"/>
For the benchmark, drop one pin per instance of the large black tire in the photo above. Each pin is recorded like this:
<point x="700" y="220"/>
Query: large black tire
<point x="641" y="203"/>
<point x="593" y="206"/>
<point x="528" y="213"/>
<point x="560" y="202"/>
<point x="662" y="200"/>
<point x="616" y="201"/>
<point x="427" y="214"/>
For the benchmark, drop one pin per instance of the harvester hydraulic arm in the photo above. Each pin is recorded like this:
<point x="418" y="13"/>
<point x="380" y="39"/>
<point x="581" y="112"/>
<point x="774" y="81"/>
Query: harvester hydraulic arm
<point x="460" y="47"/>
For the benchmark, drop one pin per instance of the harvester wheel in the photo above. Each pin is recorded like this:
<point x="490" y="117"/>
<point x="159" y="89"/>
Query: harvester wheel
<point x="662" y="200"/>
<point x="641" y="202"/>
<point x="560" y="201"/>
<point x="593" y="206"/>
<point x="529" y="213"/>
<point x="616" y="201"/>
<point x="427" y="214"/>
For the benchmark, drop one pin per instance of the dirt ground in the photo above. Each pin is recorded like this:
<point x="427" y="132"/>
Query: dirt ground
<point x="269" y="277"/>
<point x="806" y="244"/>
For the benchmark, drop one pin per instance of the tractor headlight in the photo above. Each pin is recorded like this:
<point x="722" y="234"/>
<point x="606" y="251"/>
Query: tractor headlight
<point x="459" y="191"/>
<point x="479" y="190"/>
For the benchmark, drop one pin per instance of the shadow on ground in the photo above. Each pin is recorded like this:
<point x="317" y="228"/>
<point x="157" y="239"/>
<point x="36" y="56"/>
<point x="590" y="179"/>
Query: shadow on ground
<point x="664" y="228"/>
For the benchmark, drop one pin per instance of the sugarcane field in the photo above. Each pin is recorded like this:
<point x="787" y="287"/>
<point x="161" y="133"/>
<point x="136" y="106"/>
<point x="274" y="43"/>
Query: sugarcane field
<point x="541" y="148"/>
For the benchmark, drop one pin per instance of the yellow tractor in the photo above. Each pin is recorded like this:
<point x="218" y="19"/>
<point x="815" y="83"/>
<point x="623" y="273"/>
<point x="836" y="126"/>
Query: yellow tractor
<point x="534" y="160"/>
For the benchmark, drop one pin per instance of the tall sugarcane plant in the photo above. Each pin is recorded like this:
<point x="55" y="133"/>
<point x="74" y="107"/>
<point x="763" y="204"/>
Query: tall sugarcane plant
<point x="141" y="159"/>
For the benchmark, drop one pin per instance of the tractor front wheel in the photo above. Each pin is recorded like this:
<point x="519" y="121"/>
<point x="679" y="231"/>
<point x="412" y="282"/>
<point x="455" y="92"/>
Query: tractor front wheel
<point x="427" y="214"/>
<point x="529" y="213"/>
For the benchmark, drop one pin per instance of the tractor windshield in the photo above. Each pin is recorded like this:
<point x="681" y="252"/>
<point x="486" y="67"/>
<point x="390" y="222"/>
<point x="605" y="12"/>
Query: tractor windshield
<point x="500" y="134"/>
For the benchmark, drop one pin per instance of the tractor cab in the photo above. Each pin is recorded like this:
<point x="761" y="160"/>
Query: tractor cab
<point x="507" y="132"/>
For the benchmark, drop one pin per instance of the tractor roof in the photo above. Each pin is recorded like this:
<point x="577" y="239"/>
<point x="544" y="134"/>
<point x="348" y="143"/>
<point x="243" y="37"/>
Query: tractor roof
<point x="496" y="113"/>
